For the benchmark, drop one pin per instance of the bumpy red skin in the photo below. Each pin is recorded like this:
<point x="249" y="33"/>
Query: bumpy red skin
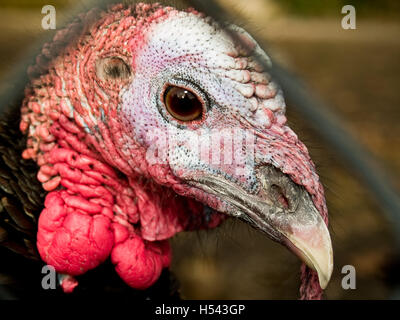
<point x="91" y="210"/>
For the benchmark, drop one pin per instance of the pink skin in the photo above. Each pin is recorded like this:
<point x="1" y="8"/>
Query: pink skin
<point x="91" y="138"/>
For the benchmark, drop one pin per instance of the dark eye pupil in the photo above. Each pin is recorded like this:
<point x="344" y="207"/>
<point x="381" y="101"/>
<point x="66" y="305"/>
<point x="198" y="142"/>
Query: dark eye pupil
<point x="182" y="104"/>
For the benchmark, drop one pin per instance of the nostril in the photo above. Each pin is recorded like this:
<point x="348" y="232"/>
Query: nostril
<point x="279" y="188"/>
<point x="280" y="196"/>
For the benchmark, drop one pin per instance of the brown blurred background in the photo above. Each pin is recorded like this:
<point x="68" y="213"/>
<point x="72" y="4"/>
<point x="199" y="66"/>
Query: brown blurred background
<point x="357" y="72"/>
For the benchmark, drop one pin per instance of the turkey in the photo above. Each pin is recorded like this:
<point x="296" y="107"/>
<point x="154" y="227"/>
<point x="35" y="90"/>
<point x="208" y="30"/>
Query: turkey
<point x="139" y="122"/>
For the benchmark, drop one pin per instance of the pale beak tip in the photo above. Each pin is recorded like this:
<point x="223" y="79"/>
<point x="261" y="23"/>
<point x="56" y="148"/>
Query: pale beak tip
<point x="315" y="249"/>
<point x="324" y="278"/>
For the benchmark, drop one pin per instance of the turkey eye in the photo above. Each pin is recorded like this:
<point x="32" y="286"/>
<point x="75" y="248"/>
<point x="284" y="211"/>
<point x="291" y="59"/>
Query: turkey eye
<point x="183" y="104"/>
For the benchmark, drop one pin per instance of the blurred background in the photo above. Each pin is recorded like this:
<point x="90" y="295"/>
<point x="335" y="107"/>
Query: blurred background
<point x="357" y="73"/>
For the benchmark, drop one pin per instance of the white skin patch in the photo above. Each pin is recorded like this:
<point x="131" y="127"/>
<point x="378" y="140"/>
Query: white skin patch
<point x="185" y="50"/>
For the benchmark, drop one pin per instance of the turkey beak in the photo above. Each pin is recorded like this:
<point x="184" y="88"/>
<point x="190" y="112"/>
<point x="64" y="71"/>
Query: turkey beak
<point x="298" y="222"/>
<point x="284" y="211"/>
<point x="312" y="244"/>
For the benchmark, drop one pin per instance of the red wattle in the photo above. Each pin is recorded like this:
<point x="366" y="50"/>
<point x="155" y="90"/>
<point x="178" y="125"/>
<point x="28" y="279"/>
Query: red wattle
<point x="140" y="263"/>
<point x="71" y="241"/>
